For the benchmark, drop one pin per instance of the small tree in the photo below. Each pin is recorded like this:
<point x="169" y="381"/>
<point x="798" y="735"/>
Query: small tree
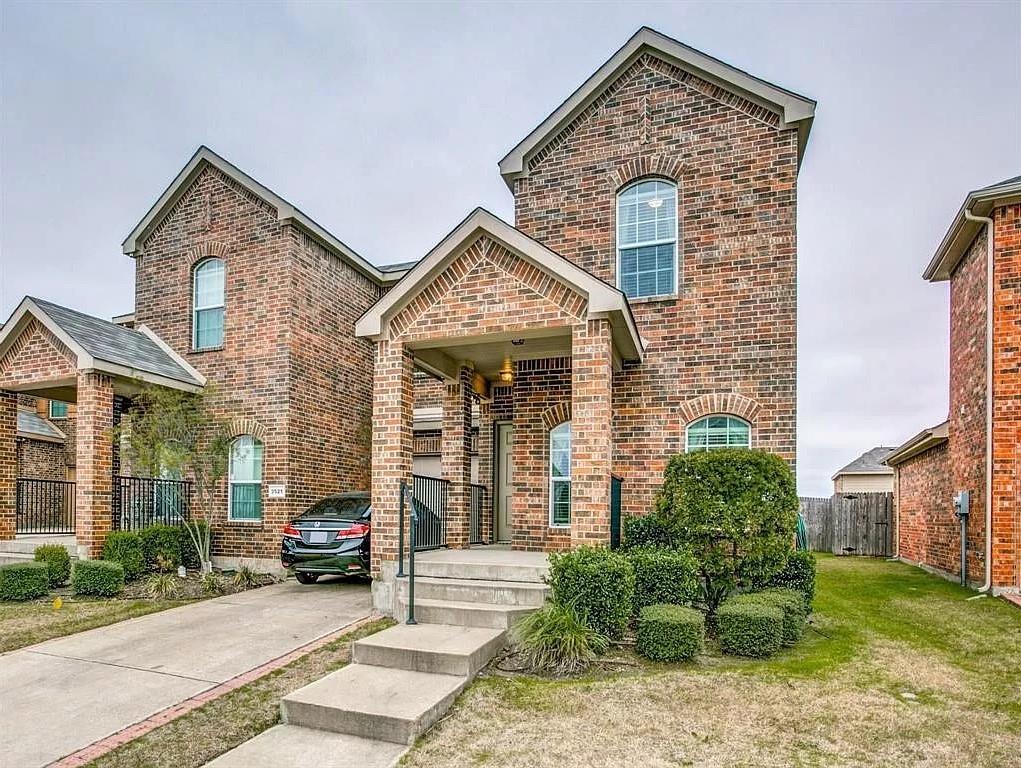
<point x="737" y="511"/>
<point x="175" y="433"/>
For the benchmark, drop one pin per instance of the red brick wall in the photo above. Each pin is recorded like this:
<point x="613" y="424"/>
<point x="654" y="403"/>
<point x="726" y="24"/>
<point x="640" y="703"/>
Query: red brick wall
<point x="927" y="531"/>
<point x="732" y="328"/>
<point x="37" y="356"/>
<point x="41" y="459"/>
<point x="8" y="463"/>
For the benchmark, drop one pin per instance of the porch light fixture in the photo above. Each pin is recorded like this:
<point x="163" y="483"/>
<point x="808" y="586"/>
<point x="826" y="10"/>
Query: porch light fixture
<point x="507" y="371"/>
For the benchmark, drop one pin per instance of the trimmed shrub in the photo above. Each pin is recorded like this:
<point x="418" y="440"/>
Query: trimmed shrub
<point x="670" y="632"/>
<point x="58" y="561"/>
<point x="790" y="601"/>
<point x="798" y="574"/>
<point x="647" y="531"/>
<point x="598" y="583"/>
<point x="24" y="581"/>
<point x="125" y="547"/>
<point x="663" y="576"/>
<point x="189" y="557"/>
<point x="161" y="544"/>
<point x="555" y="639"/>
<point x="749" y="628"/>
<point x="100" y="578"/>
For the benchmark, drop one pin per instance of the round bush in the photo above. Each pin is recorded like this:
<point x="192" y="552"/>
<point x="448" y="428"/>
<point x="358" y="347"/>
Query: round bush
<point x="598" y="583"/>
<point x="125" y="547"/>
<point x="162" y="543"/>
<point x="798" y="574"/>
<point x="57" y="560"/>
<point x="663" y="576"/>
<point x="100" y="578"/>
<point x="24" y="581"/>
<point x="749" y="628"/>
<point x="670" y="632"/>
<point x="790" y="601"/>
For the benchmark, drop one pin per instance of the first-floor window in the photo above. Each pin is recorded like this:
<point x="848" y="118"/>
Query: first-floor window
<point x="722" y="431"/>
<point x="560" y="475"/>
<point x="245" y="479"/>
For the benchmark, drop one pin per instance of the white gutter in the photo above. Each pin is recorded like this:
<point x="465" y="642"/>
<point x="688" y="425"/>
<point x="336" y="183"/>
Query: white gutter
<point x="989" y="394"/>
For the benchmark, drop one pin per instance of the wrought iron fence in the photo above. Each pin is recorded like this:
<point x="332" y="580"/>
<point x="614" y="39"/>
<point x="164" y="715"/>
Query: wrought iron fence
<point x="139" y="502"/>
<point x="478" y="504"/>
<point x="44" y="506"/>
<point x="431" y="496"/>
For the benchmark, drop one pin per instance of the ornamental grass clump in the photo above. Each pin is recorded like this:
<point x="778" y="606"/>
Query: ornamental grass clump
<point x="670" y="632"/>
<point x="161" y="586"/>
<point x="555" y="640"/>
<point x="749" y="628"/>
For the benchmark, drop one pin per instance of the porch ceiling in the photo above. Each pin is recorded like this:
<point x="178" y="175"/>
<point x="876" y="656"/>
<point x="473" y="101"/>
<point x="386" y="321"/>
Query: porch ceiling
<point x="487" y="353"/>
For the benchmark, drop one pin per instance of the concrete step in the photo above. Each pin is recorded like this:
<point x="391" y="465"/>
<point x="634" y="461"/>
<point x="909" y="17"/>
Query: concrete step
<point x="25" y="545"/>
<point x="15" y="557"/>
<point x="395" y="705"/>
<point x="435" y="648"/>
<point x="525" y="593"/>
<point x="490" y="571"/>
<point x="463" y="614"/>
<point x="289" y="746"/>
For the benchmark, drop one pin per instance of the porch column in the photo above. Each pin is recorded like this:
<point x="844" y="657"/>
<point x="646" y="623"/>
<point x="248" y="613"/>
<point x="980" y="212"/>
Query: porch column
<point x="456" y="449"/>
<point x="8" y="463"/>
<point x="591" y="433"/>
<point x="393" y="401"/>
<point x="94" y="460"/>
<point x="485" y="454"/>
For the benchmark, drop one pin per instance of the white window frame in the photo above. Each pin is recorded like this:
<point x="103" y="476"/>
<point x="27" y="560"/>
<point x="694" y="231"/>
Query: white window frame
<point x="195" y="308"/>
<point x="231" y="482"/>
<point x="49" y="410"/>
<point x="554" y="480"/>
<point x="644" y="244"/>
<point x="687" y="429"/>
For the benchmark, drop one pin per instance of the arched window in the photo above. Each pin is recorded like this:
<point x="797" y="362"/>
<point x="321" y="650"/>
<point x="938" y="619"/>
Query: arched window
<point x="245" y="479"/>
<point x="647" y="239"/>
<point x="720" y="431"/>
<point x="208" y="304"/>
<point x="560" y="475"/>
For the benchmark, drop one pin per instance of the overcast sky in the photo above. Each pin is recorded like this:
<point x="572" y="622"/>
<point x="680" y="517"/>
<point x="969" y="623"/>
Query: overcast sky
<point x="385" y="124"/>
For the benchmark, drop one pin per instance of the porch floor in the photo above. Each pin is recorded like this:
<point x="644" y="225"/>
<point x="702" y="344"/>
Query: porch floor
<point x="492" y="554"/>
<point x="25" y="543"/>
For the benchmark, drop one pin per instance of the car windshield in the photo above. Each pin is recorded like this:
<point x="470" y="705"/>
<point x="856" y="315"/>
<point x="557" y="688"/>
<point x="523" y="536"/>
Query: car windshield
<point x="342" y="509"/>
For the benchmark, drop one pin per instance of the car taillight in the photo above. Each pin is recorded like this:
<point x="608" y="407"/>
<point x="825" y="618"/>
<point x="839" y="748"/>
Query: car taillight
<point x="290" y="530"/>
<point x="356" y="529"/>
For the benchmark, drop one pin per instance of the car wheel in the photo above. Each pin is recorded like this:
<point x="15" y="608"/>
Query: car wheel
<point x="306" y="578"/>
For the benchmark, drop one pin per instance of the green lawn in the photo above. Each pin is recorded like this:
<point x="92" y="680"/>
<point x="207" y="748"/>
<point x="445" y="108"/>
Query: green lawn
<point x="898" y="668"/>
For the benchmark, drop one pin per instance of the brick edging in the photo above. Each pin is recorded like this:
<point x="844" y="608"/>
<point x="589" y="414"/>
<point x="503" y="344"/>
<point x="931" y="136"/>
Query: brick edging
<point x="164" y="716"/>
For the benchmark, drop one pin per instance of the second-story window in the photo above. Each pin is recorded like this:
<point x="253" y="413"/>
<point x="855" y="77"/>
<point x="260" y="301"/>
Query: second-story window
<point x="647" y="239"/>
<point x="58" y="409"/>
<point x="207" y="323"/>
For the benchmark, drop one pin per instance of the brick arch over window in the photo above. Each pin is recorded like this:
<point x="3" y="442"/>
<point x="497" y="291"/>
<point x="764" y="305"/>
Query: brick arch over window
<point x="556" y="414"/>
<point x="720" y="402"/>
<point x="206" y="250"/>
<point x="239" y="427"/>
<point x="647" y="166"/>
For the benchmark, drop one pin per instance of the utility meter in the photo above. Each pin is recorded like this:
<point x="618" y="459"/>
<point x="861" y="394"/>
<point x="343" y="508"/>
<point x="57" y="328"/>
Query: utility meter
<point x="962" y="500"/>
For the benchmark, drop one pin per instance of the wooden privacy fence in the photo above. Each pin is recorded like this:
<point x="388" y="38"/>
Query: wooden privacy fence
<point x="850" y="524"/>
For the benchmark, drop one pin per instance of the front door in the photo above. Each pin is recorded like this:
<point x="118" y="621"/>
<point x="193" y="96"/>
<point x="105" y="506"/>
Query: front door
<point x="504" y="479"/>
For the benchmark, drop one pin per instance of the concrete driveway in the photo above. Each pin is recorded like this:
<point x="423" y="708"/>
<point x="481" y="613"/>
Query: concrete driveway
<point x="64" y="694"/>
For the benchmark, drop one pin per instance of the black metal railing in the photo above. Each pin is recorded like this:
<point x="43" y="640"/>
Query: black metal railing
<point x="430" y="494"/>
<point x="139" y="502"/>
<point x="478" y="503"/>
<point x="44" y="506"/>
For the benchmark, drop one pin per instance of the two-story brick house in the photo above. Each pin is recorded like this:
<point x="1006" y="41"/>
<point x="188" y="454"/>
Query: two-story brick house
<point x="643" y="304"/>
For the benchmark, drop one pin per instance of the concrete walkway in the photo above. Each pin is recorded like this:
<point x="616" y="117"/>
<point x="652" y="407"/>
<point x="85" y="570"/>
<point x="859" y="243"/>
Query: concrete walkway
<point x="64" y="694"/>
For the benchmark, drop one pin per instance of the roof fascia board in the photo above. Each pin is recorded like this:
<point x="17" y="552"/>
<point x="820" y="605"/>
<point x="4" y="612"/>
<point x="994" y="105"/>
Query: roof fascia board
<point x="127" y="372"/>
<point x="194" y="373"/>
<point x="792" y="108"/>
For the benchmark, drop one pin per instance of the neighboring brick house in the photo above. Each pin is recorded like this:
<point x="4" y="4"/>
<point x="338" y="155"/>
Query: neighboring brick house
<point x="977" y="449"/>
<point x="45" y="438"/>
<point x="643" y="304"/>
<point x="866" y="474"/>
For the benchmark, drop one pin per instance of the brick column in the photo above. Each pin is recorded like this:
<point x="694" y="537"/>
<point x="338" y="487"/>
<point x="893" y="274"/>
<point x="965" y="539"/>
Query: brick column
<point x="485" y="448"/>
<point x="8" y="463"/>
<point x="93" y="513"/>
<point x="591" y="433"/>
<point x="393" y="399"/>
<point x="456" y="456"/>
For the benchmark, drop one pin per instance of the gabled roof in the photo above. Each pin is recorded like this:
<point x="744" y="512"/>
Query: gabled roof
<point x="35" y="427"/>
<point x="603" y="299"/>
<point x="920" y="443"/>
<point x="794" y="110"/>
<point x="286" y="212"/>
<point x="962" y="231"/>
<point x="869" y="463"/>
<point x="135" y="353"/>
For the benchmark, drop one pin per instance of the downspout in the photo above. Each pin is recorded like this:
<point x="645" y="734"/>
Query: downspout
<point x="989" y="394"/>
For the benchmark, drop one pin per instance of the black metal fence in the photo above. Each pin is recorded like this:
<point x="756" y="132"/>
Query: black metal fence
<point x="44" y="506"/>
<point x="139" y="502"/>
<point x="431" y="496"/>
<point x="478" y="504"/>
